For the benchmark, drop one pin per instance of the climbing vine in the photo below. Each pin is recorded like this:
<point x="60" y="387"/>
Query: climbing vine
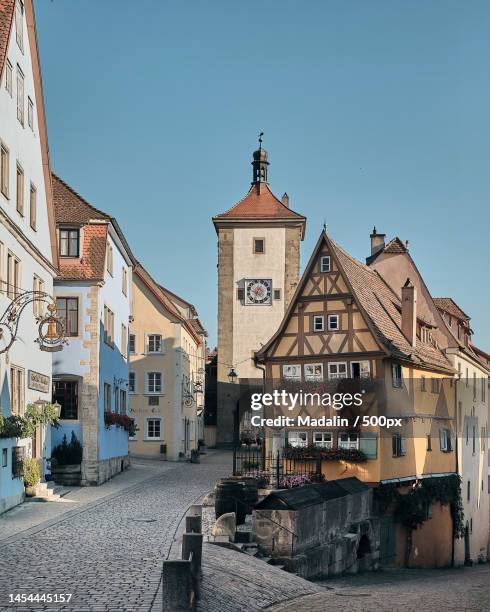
<point x="411" y="508"/>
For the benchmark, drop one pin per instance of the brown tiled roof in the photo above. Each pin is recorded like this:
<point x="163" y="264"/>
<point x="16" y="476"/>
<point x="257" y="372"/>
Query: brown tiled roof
<point x="395" y="246"/>
<point x="259" y="203"/>
<point x="92" y="263"/>
<point x="161" y="296"/>
<point x="70" y="207"/>
<point x="449" y="305"/>
<point x="6" y="18"/>
<point x="383" y="308"/>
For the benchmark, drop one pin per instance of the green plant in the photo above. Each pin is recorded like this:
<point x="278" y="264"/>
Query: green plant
<point x="350" y="455"/>
<point x="30" y="472"/>
<point x="250" y="465"/>
<point x="67" y="454"/>
<point x="411" y="508"/>
<point x="17" y="426"/>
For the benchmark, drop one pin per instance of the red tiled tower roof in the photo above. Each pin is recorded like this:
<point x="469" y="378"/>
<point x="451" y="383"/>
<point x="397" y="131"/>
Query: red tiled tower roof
<point x="259" y="203"/>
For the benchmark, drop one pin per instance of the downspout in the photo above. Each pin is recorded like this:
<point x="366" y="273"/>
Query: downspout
<point x="456" y="381"/>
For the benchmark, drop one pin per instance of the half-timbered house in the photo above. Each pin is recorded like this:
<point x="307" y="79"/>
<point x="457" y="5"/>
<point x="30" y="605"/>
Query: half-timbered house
<point x="345" y="324"/>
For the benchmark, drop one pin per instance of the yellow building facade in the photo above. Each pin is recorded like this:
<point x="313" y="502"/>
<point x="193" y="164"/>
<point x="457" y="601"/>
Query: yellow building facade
<point x="166" y="380"/>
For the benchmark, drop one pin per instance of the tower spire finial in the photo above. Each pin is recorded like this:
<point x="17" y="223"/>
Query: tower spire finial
<point x="260" y="163"/>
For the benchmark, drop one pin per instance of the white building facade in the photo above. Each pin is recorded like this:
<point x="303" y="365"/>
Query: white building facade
<point x="28" y="259"/>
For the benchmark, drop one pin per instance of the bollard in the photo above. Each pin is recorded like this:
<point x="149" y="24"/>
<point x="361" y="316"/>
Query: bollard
<point x="193" y="524"/>
<point x="192" y="543"/>
<point x="178" y="590"/>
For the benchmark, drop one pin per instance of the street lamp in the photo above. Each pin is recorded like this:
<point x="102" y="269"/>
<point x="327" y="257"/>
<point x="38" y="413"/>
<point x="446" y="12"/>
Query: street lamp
<point x="232" y="375"/>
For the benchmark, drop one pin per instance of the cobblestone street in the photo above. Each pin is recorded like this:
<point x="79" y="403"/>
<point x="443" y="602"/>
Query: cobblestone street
<point x="106" y="551"/>
<point x="105" y="546"/>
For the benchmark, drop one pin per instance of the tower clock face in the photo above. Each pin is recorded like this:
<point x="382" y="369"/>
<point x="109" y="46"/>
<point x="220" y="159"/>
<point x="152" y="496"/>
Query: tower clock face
<point x="258" y="291"/>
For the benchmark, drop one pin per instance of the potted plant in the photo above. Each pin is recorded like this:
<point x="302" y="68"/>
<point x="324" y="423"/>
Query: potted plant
<point x="195" y="456"/>
<point x="31" y="474"/>
<point x="66" y="459"/>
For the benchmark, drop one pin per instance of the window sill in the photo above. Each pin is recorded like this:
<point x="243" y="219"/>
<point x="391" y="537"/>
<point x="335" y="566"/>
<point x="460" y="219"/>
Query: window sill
<point x="153" y="440"/>
<point x="146" y="394"/>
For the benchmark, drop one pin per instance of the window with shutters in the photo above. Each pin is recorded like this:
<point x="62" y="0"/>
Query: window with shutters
<point x="13" y="276"/>
<point x="30" y="113"/>
<point x="4" y="170"/>
<point x="19" y="24"/>
<point x="38" y="305"/>
<point x="110" y="259"/>
<point x="8" y="79"/>
<point x="124" y="281"/>
<point x="124" y="340"/>
<point x="33" y="207"/>
<point x="20" y="95"/>
<point x="17" y="390"/>
<point x="108" y="326"/>
<point x="19" y="195"/>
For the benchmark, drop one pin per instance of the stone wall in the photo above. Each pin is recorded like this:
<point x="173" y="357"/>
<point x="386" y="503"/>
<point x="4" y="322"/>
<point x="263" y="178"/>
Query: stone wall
<point x="336" y="536"/>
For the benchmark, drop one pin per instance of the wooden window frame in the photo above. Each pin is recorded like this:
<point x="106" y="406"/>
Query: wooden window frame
<point x="398" y="445"/>
<point x="19" y="189"/>
<point x="337" y="363"/>
<point x="69" y="333"/>
<point x="19" y="24"/>
<point x="299" y="432"/>
<point x="76" y="386"/>
<point x="348" y="444"/>
<point x="147" y="428"/>
<point x="328" y="445"/>
<point x="148" y="341"/>
<point x="68" y="239"/>
<point x="33" y="207"/>
<point x="132" y="387"/>
<point x="132" y="342"/>
<point x="4" y="169"/>
<point x="314" y="321"/>
<point x="325" y="258"/>
<point x="258" y="239"/>
<point x="9" y="78"/>
<point x="335" y="317"/>
<point x="147" y="383"/>
<point x="20" y="96"/>
<point x="30" y="113"/>
<point x="314" y="377"/>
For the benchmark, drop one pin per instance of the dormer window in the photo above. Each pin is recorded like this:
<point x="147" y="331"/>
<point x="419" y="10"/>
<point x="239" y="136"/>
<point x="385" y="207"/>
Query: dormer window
<point x="325" y="263"/>
<point x="69" y="242"/>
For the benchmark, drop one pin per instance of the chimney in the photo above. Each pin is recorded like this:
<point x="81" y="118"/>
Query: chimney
<point x="409" y="312"/>
<point x="377" y="241"/>
<point x="285" y="199"/>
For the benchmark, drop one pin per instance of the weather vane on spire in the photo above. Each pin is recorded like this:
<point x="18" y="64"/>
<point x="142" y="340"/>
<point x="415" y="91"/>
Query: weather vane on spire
<point x="324" y="224"/>
<point x="260" y="139"/>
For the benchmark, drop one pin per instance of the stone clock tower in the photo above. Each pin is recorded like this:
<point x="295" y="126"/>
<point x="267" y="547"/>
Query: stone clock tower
<point x="258" y="271"/>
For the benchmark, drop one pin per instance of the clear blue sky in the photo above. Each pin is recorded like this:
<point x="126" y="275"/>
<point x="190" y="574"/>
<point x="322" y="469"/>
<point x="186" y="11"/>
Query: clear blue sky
<point x="374" y="112"/>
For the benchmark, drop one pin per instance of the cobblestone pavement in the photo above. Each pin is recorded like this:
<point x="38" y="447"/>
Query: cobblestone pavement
<point x="458" y="590"/>
<point x="108" y="553"/>
<point x="236" y="582"/>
